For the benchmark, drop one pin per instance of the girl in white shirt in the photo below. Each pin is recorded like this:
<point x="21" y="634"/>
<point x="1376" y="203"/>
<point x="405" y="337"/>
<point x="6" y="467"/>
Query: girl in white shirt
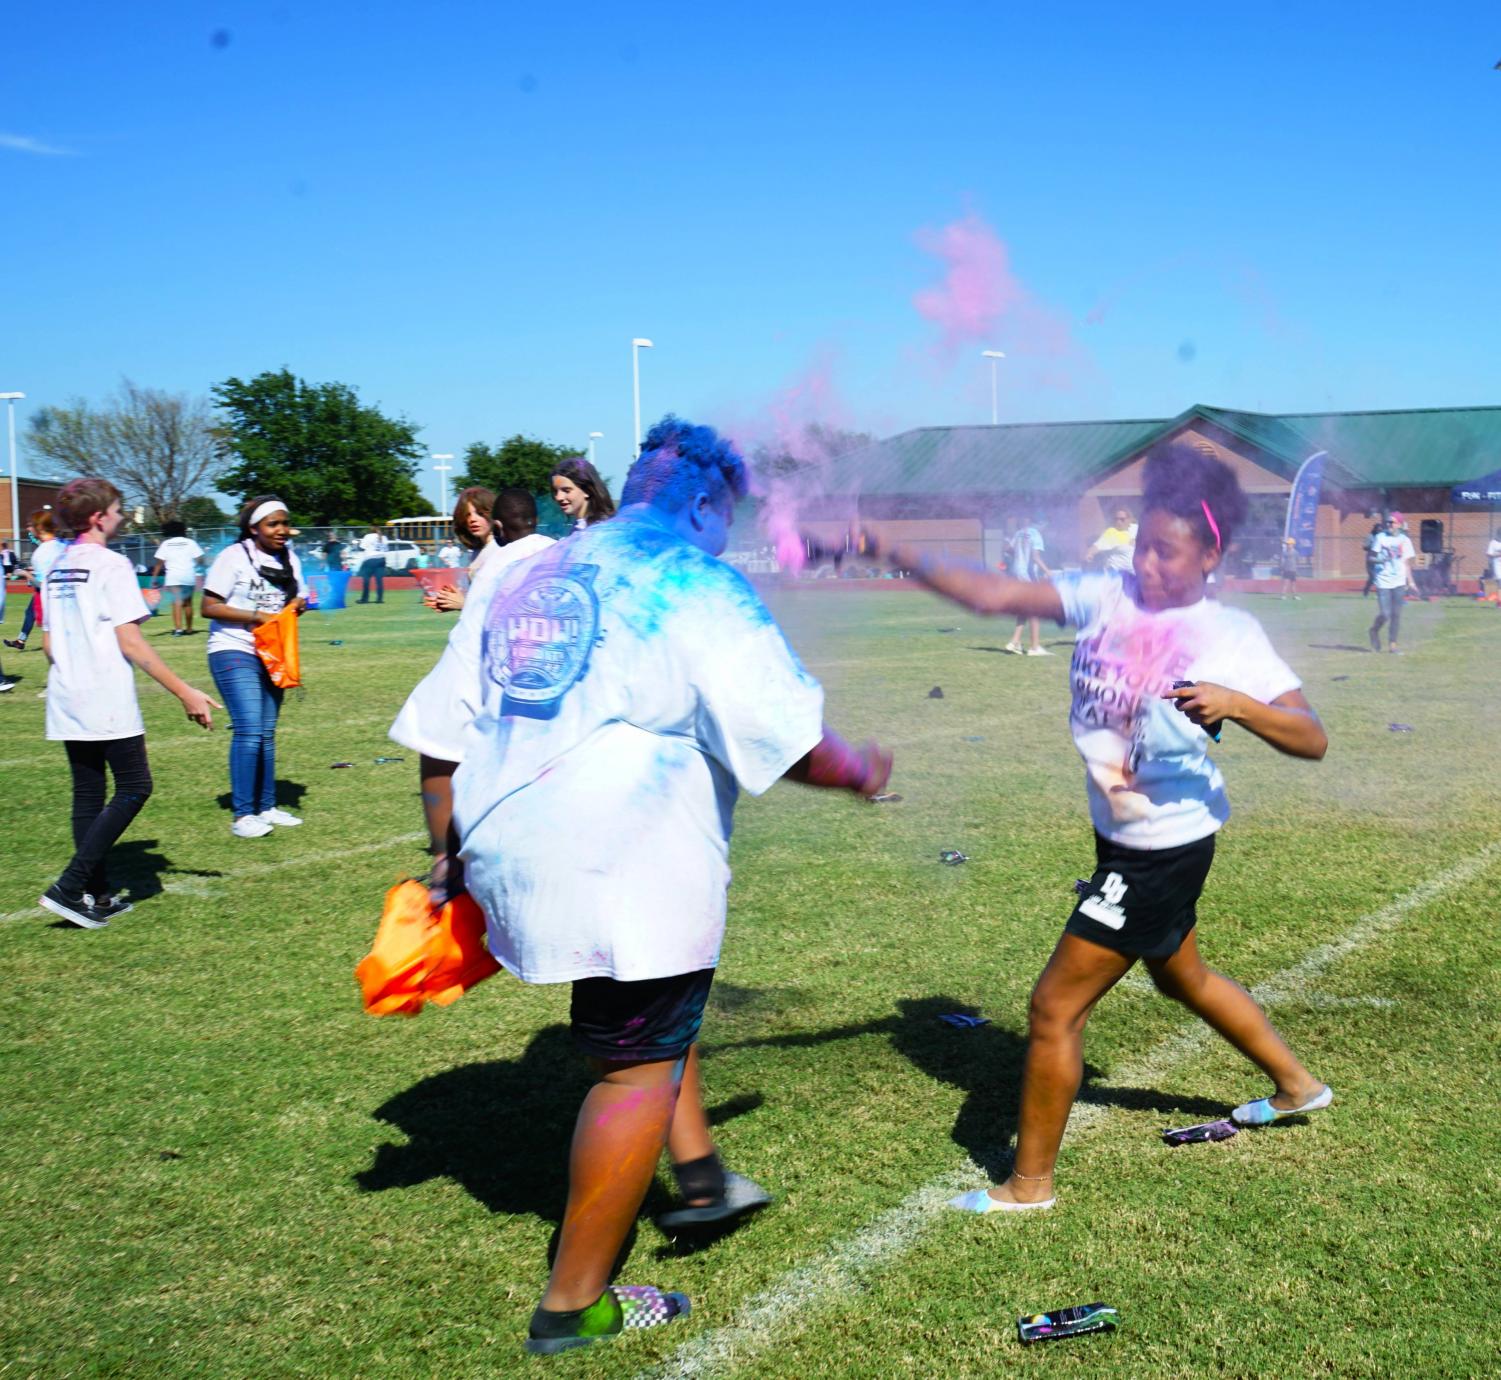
<point x="248" y="584"/>
<point x="1157" y="668"/>
<point x="472" y="524"/>
<point x="581" y="493"/>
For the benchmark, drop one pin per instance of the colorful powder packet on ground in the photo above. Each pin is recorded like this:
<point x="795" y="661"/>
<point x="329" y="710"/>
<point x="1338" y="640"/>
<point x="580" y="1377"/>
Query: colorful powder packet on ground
<point x="886" y="798"/>
<point x="1400" y="728"/>
<point x="960" y="1021"/>
<point x="1067" y="1322"/>
<point x="334" y="766"/>
<point x="1197" y="1135"/>
<point x="953" y="857"/>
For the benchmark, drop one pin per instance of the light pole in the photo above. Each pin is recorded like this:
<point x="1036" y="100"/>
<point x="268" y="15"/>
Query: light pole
<point x="593" y="437"/>
<point x="992" y="356"/>
<point x="637" y="345"/>
<point x="442" y="465"/>
<point x="15" y="491"/>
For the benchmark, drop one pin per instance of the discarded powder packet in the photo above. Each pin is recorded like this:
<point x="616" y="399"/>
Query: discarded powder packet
<point x="337" y="642"/>
<point x="975" y="738"/>
<point x="1196" y="1135"/>
<point x="960" y="1021"/>
<point x="334" y="766"/>
<point x="952" y="856"/>
<point x="1400" y="728"/>
<point x="936" y="693"/>
<point x="1339" y="677"/>
<point x="886" y="798"/>
<point x="381" y="760"/>
<point x="1081" y="887"/>
<point x="1067" y="1322"/>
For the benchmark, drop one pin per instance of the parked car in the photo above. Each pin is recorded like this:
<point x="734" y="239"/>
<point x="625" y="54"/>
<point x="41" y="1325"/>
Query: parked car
<point x="401" y="556"/>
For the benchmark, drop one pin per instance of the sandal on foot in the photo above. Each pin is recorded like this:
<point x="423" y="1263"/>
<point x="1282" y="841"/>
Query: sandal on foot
<point x="979" y="1200"/>
<point x="741" y="1195"/>
<point x="1262" y="1113"/>
<point x="621" y="1308"/>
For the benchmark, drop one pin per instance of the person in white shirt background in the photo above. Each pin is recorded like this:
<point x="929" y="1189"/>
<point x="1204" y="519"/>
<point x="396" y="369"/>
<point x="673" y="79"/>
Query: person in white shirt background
<point x="48" y="548"/>
<point x="581" y="493"/>
<point x="450" y="555"/>
<point x="176" y="569"/>
<point x="91" y="614"/>
<point x="1393" y="555"/>
<point x="1493" y="564"/>
<point x="1157" y="667"/>
<point x="373" y="565"/>
<point x="514" y="536"/>
<point x="1024" y="547"/>
<point x="248" y="584"/>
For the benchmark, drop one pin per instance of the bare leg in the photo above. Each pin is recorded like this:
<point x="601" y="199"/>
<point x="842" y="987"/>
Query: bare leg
<point x="1016" y="635"/>
<point x="689" y="1137"/>
<point x="1077" y="976"/>
<point x="1034" y="626"/>
<point x="617" y="1140"/>
<point x="176" y="612"/>
<point x="1228" y="1009"/>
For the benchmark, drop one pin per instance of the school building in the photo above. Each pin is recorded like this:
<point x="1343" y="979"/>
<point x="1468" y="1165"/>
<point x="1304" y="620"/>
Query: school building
<point x="33" y="494"/>
<point x="952" y="488"/>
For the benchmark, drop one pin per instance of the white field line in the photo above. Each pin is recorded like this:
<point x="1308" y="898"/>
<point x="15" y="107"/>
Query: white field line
<point x="836" y="1273"/>
<point x="207" y="886"/>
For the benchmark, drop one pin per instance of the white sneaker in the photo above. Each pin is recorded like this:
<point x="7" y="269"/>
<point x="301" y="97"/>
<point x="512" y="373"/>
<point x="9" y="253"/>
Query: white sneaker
<point x="1012" y="648"/>
<point x="1038" y="651"/>
<point x="281" y="817"/>
<point x="250" y="827"/>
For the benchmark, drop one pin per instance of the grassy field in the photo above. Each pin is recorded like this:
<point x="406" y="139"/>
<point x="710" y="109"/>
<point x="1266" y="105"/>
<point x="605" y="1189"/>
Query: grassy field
<point x="216" y="1165"/>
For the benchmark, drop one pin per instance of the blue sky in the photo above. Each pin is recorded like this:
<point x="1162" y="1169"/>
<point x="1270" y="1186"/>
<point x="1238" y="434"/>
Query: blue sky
<point x="468" y="210"/>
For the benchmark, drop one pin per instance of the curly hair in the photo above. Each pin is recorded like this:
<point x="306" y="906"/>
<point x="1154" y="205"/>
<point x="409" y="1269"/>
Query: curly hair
<point x="577" y="470"/>
<point x="678" y="460"/>
<point x="1183" y="480"/>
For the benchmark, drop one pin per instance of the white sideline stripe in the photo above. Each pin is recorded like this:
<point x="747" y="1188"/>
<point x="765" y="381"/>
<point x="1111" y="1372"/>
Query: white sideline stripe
<point x="207" y="886"/>
<point x="762" y="1318"/>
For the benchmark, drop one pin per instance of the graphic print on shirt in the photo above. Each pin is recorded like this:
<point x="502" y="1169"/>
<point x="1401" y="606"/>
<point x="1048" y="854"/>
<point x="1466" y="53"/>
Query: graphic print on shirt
<point x="538" y="639"/>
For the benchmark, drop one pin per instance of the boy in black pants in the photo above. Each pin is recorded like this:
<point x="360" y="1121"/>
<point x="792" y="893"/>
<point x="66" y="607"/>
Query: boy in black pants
<point x="91" y="612"/>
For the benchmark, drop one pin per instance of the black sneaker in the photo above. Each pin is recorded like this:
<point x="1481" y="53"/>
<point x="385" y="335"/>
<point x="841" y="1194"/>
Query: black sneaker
<point x="74" y="909"/>
<point x="16" y="644"/>
<point x="107" y="906"/>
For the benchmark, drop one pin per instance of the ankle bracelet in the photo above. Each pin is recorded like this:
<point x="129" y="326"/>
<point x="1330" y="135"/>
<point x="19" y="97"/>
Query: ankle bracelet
<point x="1032" y="1178"/>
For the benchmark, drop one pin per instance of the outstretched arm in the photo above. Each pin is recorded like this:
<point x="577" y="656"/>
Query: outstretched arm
<point x="1288" y="723"/>
<point x="198" y="706"/>
<point x="978" y="589"/>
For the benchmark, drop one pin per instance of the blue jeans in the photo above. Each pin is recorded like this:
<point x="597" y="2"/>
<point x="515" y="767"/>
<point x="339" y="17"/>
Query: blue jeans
<point x="253" y="704"/>
<point x="374" y="568"/>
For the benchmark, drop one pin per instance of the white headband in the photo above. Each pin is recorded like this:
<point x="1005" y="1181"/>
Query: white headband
<point x="264" y="510"/>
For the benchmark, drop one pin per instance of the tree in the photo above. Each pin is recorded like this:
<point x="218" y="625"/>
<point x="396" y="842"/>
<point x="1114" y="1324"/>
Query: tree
<point x="519" y="462"/>
<point x="807" y="447"/>
<point x="315" y="445"/>
<point x="202" y="511"/>
<point x="157" y="448"/>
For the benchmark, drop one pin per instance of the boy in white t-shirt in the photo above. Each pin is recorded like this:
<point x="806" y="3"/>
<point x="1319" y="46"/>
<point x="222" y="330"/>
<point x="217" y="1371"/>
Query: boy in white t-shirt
<point x="617" y="691"/>
<point x="176" y="569"/>
<point x="1392" y="554"/>
<point x="1157" y="668"/>
<point x="91" y="612"/>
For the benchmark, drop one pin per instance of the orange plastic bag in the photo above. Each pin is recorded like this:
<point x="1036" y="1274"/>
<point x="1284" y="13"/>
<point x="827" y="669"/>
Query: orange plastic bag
<point x="276" y="645"/>
<point x="421" y="955"/>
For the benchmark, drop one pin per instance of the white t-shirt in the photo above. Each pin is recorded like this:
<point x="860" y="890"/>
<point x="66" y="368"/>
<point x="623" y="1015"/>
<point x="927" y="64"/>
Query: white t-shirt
<point x="43" y="557"/>
<point x="242" y="586"/>
<point x="1151" y="781"/>
<point x="91" y="690"/>
<point x="179" y="556"/>
<point x="1025" y="544"/>
<point x="1493" y="554"/>
<point x="450" y="555"/>
<point x="622" y="687"/>
<point x="1391" y="552"/>
<point x="373" y="543"/>
<point x="433" y="719"/>
<point x="1117" y="548"/>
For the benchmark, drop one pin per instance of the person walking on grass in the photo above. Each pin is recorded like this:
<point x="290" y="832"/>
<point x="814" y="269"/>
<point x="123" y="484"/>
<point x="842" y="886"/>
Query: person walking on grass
<point x="1157" y="667"/>
<point x="92" y="610"/>
<point x="1289" y="559"/>
<point x="249" y="583"/>
<point x="175" y="567"/>
<point x="1394" y="556"/>
<point x="618" y="690"/>
<point x="48" y="548"/>
<point x="373" y="546"/>
<point x="1024" y="562"/>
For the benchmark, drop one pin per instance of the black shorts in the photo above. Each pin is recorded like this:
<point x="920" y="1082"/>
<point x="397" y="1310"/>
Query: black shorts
<point x="1142" y="901"/>
<point x="639" y="1022"/>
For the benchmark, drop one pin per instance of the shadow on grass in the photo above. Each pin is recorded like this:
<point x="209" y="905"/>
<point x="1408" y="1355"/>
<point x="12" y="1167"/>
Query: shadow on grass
<point x="137" y="866"/>
<point x="986" y="1064"/>
<point x="1340" y="647"/>
<point x="288" y="793"/>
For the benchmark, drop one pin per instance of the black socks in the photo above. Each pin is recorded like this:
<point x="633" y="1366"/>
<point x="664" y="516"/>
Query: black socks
<point x="700" y="1178"/>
